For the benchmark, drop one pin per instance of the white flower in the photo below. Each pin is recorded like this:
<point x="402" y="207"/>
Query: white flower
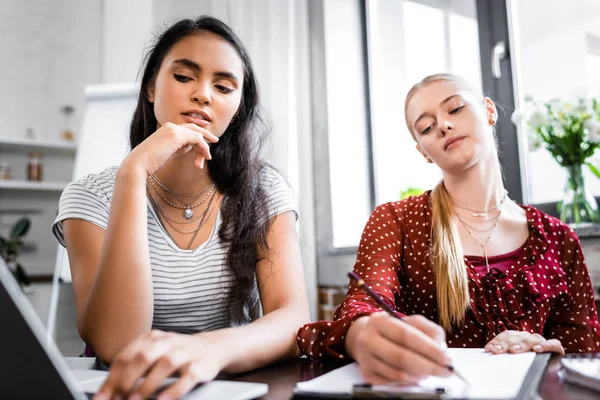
<point x="557" y="129"/>
<point x="517" y="117"/>
<point x="584" y="106"/>
<point x="539" y="118"/>
<point x="593" y="127"/>
<point x="533" y="140"/>
<point x="523" y="114"/>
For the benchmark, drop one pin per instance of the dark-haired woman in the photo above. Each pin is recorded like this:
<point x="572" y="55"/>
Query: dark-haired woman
<point x="185" y="258"/>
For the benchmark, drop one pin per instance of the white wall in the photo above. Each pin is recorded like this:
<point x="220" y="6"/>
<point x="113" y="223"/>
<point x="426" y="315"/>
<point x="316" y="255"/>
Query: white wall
<point x="126" y="32"/>
<point x="50" y="51"/>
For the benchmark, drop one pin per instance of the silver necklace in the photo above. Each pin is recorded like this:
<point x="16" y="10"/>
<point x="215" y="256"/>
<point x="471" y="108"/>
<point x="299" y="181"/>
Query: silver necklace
<point x="484" y="244"/>
<point x="483" y="213"/>
<point x="184" y="222"/>
<point x="188" y="212"/>
<point x="203" y="219"/>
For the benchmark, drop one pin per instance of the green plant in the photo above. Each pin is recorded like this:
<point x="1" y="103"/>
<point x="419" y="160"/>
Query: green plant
<point x="11" y="247"/>
<point x="569" y="131"/>
<point x="571" y="134"/>
<point x="411" y="191"/>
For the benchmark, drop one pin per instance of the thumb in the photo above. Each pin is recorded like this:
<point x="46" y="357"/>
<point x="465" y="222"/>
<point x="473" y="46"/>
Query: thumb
<point x="549" y="346"/>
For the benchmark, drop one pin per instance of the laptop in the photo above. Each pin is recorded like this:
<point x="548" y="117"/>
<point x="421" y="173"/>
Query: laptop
<point x="32" y="367"/>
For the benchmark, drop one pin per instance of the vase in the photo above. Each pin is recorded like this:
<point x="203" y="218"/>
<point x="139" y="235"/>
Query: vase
<point x="579" y="207"/>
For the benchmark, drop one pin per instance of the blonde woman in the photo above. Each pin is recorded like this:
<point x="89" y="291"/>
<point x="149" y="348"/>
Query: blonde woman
<point x="465" y="264"/>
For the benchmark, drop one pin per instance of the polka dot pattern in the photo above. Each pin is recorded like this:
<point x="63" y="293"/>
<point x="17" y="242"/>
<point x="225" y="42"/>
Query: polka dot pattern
<point x="547" y="290"/>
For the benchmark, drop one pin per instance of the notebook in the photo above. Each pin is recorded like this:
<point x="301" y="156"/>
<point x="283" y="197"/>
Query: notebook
<point x="490" y="376"/>
<point x="582" y="370"/>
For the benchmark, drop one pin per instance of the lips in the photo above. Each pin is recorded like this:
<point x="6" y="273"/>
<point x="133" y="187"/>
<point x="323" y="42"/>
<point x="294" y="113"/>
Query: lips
<point x="451" y="141"/>
<point x="197" y="117"/>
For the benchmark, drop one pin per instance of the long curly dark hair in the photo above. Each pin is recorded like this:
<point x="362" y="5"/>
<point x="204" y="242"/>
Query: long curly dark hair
<point x="235" y="166"/>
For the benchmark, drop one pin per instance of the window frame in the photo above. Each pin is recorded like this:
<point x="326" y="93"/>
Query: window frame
<point x="333" y="260"/>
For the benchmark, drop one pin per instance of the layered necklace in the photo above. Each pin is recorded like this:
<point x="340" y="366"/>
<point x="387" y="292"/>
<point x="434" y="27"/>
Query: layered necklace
<point x="490" y="231"/>
<point x="188" y="207"/>
<point x="188" y="213"/>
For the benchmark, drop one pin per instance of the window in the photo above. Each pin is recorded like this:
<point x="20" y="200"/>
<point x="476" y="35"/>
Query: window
<point x="374" y="51"/>
<point x="559" y="58"/>
<point x="347" y="120"/>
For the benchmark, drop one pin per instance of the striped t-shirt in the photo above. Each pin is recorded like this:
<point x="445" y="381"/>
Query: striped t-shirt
<point x="191" y="287"/>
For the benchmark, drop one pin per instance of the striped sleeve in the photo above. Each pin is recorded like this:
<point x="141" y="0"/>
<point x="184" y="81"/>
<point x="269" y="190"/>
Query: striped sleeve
<point x="280" y="195"/>
<point x="86" y="199"/>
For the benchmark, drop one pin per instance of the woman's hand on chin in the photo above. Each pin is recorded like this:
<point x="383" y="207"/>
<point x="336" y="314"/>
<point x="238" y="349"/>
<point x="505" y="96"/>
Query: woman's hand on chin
<point x="168" y="141"/>
<point x="158" y="355"/>
<point x="520" y="342"/>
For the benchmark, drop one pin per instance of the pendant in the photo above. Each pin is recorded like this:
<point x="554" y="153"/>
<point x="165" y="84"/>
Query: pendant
<point x="479" y="214"/>
<point x="188" y="213"/>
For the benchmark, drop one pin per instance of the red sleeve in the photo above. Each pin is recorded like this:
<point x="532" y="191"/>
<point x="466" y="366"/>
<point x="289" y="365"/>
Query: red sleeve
<point x="573" y="319"/>
<point x="378" y="261"/>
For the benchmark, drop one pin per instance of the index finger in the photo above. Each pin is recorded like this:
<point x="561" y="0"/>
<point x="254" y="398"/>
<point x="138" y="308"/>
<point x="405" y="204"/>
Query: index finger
<point x="409" y="334"/>
<point x="428" y="327"/>
<point x="208" y="136"/>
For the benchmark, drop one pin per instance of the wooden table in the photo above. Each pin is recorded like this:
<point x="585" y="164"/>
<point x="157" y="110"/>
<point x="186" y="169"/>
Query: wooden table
<point x="282" y="378"/>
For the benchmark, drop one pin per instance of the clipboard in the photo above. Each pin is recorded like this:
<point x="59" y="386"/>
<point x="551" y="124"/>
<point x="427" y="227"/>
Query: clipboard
<point x="528" y="389"/>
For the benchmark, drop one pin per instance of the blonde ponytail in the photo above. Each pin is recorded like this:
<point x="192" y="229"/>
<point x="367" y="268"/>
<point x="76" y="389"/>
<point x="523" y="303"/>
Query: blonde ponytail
<point x="448" y="264"/>
<point x="447" y="256"/>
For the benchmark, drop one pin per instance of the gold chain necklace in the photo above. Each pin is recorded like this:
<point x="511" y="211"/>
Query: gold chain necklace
<point x="161" y="213"/>
<point x="496" y="218"/>
<point x="484" y="212"/>
<point x="188" y="212"/>
<point x="185" y="222"/>
<point x="484" y="244"/>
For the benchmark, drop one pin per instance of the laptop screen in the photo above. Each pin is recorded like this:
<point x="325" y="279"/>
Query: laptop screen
<point x="29" y="366"/>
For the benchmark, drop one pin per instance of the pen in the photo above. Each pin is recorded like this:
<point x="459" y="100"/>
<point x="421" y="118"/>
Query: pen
<point x="361" y="283"/>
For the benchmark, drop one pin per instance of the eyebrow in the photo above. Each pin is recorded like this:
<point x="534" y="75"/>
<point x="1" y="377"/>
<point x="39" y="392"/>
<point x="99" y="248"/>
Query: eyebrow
<point x="426" y="114"/>
<point x="186" y="62"/>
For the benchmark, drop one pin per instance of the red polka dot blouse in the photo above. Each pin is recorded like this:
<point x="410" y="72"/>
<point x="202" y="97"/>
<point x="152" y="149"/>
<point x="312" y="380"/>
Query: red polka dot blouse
<point x="547" y="290"/>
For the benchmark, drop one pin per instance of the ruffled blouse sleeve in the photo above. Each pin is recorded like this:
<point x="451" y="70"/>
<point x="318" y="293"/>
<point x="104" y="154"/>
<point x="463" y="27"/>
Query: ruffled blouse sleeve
<point x="572" y="319"/>
<point x="378" y="263"/>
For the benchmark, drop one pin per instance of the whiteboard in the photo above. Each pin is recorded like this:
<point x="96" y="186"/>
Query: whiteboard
<point x="104" y="140"/>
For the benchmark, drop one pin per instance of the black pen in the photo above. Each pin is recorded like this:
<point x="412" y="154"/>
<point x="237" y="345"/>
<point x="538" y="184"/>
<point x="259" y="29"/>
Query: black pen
<point x="361" y="283"/>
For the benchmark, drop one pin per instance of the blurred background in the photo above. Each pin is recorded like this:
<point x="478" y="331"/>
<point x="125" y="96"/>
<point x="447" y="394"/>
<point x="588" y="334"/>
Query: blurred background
<point x="333" y="76"/>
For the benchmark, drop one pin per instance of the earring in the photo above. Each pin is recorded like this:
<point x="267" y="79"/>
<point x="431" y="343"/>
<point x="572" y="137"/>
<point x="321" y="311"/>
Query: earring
<point x="429" y="160"/>
<point x="492" y="121"/>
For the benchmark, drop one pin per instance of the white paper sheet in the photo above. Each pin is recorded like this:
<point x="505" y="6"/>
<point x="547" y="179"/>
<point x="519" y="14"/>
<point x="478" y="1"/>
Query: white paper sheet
<point x="490" y="376"/>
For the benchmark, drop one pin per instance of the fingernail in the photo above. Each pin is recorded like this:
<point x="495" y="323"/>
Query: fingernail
<point x="100" y="396"/>
<point x="537" y="347"/>
<point x="202" y="163"/>
<point x="516" y="347"/>
<point x="497" y="347"/>
<point x="136" y="396"/>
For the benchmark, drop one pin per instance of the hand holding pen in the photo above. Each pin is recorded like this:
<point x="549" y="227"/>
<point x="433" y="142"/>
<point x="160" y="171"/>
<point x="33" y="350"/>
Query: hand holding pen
<point x="396" y="349"/>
